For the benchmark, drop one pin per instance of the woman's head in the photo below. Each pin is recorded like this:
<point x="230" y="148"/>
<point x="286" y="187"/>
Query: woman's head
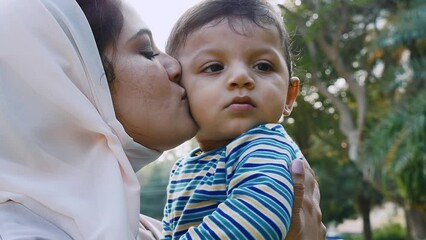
<point x="147" y="98"/>
<point x="106" y="20"/>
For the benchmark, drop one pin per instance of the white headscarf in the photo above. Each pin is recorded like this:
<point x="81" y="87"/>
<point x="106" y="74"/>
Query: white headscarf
<point x="63" y="153"/>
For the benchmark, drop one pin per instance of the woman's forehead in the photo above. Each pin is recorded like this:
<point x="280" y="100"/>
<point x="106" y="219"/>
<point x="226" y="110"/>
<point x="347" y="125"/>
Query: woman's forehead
<point x="133" y="21"/>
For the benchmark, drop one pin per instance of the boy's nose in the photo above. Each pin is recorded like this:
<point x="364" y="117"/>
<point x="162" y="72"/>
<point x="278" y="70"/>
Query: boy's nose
<point x="241" y="79"/>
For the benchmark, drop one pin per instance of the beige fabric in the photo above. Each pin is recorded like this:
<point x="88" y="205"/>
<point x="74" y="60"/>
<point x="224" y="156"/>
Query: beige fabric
<point x="19" y="222"/>
<point x="63" y="154"/>
<point x="149" y="228"/>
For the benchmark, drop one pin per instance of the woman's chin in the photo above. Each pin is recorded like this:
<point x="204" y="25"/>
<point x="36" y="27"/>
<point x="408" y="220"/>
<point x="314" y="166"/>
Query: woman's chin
<point x="177" y="137"/>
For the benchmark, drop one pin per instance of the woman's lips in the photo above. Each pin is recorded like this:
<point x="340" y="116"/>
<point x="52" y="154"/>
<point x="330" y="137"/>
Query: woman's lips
<point x="183" y="96"/>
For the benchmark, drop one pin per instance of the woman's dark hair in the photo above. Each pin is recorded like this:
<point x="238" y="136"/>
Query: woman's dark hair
<point x="106" y="20"/>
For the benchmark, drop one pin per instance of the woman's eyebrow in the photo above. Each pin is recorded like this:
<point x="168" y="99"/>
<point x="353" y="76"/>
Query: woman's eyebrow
<point x="143" y="31"/>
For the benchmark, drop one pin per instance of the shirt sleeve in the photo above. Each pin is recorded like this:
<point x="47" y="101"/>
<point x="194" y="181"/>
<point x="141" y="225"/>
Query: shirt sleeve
<point x="167" y="230"/>
<point x="260" y="195"/>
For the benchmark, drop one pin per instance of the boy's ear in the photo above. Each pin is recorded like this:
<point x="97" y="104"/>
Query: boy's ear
<point x="292" y="92"/>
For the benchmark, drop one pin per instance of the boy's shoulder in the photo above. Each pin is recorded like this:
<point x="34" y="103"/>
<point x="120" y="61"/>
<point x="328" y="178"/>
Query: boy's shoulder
<point x="266" y="141"/>
<point x="261" y="134"/>
<point x="269" y="128"/>
<point x="263" y="131"/>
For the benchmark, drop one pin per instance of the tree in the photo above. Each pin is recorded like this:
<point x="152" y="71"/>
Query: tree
<point x="332" y="36"/>
<point x="314" y="131"/>
<point x="377" y="49"/>
<point x="398" y="148"/>
<point x="397" y="142"/>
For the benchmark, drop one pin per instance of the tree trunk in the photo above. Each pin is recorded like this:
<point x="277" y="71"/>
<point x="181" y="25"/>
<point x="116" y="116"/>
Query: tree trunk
<point x="364" y="204"/>
<point x="416" y="222"/>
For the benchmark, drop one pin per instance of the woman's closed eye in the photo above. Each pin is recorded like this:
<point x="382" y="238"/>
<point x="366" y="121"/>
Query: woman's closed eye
<point x="149" y="54"/>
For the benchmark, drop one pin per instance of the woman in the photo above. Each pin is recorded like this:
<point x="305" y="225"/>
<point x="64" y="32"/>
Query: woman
<point x="70" y="142"/>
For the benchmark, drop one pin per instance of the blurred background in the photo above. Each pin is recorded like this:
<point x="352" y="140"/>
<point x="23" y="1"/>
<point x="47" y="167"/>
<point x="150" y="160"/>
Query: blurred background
<point x="360" y="118"/>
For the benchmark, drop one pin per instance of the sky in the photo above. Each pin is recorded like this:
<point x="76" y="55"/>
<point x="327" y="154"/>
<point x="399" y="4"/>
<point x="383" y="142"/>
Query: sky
<point x="160" y="15"/>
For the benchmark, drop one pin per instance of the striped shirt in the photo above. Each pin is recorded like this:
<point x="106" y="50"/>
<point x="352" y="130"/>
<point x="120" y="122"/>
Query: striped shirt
<point x="241" y="191"/>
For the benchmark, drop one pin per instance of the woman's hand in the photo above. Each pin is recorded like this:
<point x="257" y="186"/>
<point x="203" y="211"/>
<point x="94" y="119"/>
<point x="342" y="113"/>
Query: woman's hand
<point x="306" y="220"/>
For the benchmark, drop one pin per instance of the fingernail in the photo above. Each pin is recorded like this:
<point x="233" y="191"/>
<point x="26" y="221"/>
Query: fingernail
<point x="297" y="167"/>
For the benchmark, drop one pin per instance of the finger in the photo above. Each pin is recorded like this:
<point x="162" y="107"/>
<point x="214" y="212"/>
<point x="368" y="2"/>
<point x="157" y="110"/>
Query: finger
<point x="318" y="213"/>
<point x="323" y="232"/>
<point x="316" y="193"/>
<point x="298" y="173"/>
<point x="308" y="166"/>
<point x="310" y="181"/>
<point x="316" y="203"/>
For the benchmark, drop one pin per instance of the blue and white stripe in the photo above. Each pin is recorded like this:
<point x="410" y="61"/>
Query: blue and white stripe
<point x="241" y="191"/>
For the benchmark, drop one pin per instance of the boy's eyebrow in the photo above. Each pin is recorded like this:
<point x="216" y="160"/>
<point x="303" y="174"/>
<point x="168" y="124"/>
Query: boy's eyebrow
<point x="143" y="31"/>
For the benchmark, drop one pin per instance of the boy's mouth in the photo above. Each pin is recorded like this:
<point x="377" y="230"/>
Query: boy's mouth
<point x="243" y="102"/>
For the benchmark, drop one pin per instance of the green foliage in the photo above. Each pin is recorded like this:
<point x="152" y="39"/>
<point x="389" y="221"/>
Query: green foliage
<point x="396" y="142"/>
<point x="393" y="137"/>
<point x="398" y="151"/>
<point x="154" y="179"/>
<point x="390" y="232"/>
<point x="320" y="142"/>
<point x="353" y="237"/>
<point x="406" y="26"/>
<point x="340" y="185"/>
<point x="418" y="67"/>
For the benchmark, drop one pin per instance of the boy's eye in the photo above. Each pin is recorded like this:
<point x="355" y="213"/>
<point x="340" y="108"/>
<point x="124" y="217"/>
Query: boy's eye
<point x="213" y="68"/>
<point x="264" y="67"/>
<point x="149" y="54"/>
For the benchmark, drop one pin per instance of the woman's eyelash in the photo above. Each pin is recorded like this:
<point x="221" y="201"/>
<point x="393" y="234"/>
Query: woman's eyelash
<point x="149" y="54"/>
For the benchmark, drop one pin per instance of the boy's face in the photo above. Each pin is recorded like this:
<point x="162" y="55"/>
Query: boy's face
<point x="234" y="81"/>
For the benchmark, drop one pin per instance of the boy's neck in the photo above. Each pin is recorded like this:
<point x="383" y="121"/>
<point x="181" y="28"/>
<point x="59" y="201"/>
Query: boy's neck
<point x="208" y="145"/>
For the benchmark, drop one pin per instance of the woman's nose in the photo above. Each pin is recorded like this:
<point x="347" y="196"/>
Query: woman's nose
<point x="172" y="67"/>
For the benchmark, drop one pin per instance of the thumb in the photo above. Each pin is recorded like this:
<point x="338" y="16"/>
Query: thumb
<point x="298" y="173"/>
<point x="297" y="170"/>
